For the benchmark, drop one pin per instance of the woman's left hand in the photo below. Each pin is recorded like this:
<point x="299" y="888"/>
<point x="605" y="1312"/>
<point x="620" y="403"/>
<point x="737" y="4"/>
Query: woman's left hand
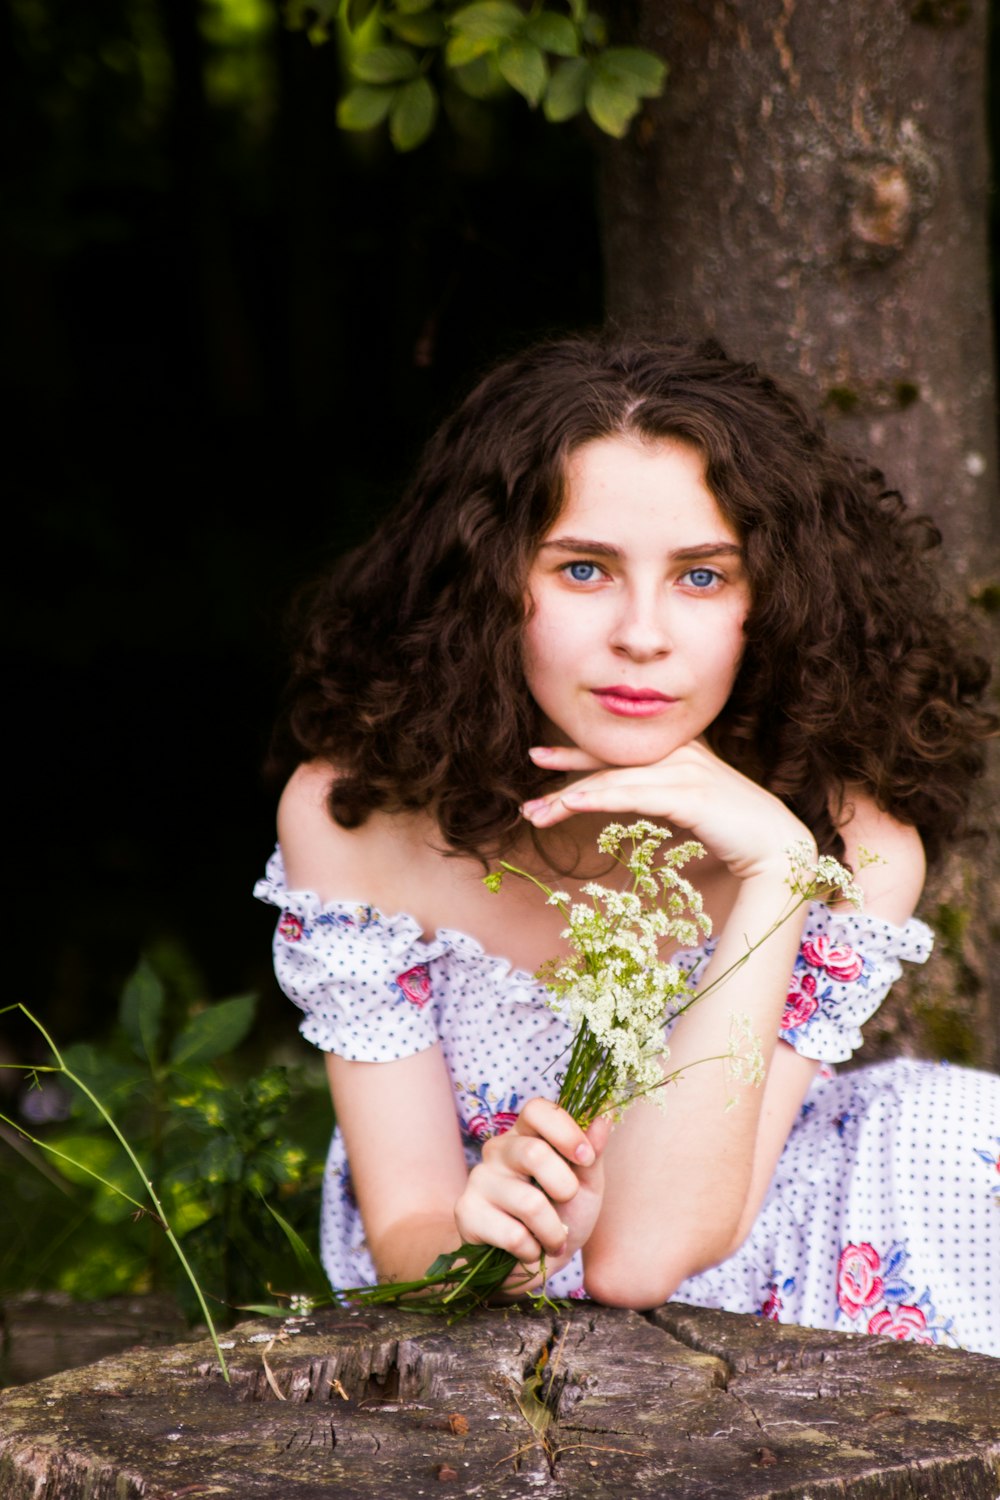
<point x="739" y="822"/>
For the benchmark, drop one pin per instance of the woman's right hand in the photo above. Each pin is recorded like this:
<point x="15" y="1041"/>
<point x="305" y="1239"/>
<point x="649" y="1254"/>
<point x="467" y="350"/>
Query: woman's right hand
<point x="538" y="1189"/>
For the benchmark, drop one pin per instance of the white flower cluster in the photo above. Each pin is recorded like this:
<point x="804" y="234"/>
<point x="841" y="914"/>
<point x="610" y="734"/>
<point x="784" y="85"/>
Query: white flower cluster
<point x="616" y="985"/>
<point x="824" y="878"/>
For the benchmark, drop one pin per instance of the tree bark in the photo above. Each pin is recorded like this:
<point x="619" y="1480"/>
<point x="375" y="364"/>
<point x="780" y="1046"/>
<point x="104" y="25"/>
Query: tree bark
<point x="812" y="190"/>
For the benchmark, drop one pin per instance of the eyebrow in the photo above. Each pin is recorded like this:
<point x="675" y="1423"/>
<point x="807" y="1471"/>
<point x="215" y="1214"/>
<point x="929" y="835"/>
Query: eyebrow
<point x="605" y="549"/>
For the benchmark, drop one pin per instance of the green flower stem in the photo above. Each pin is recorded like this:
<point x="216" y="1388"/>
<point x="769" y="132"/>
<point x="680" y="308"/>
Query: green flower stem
<point x="147" y="1184"/>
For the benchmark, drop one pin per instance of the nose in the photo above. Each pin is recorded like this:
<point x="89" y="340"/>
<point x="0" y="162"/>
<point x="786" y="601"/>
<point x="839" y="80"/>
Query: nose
<point x="642" y="627"/>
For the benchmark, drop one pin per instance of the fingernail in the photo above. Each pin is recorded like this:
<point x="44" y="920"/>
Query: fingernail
<point x="537" y="750"/>
<point x="584" y="1154"/>
<point x="527" y="808"/>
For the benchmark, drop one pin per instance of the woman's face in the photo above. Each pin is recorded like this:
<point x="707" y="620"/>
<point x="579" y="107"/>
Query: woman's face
<point x="638" y="596"/>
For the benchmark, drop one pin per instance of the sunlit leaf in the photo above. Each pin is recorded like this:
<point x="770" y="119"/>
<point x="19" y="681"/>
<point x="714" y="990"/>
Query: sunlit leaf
<point x="213" y="1031"/>
<point x="427" y="29"/>
<point x="81" y="1157"/>
<point x="567" y="90"/>
<point x="492" y="20"/>
<point x="462" y="50"/>
<point x="553" y="33"/>
<point x="141" y="1010"/>
<point x="385" y="65"/>
<point x="642" y="71"/>
<point x="364" y="106"/>
<point x="412" y="116"/>
<point x="525" y="69"/>
<point x="611" y="106"/>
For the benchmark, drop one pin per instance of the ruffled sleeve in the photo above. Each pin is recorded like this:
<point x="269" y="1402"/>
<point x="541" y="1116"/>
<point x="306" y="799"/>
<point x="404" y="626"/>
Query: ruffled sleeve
<point x="365" y="981"/>
<point x="846" y="966"/>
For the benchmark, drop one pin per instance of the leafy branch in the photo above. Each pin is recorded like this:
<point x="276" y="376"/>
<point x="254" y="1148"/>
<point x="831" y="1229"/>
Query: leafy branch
<point x="558" y="60"/>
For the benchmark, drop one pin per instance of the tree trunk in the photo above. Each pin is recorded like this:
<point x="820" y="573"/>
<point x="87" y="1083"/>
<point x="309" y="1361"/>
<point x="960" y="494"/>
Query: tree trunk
<point x="813" y="190"/>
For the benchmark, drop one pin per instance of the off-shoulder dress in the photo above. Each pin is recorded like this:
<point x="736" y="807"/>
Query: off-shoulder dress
<point x="884" y="1212"/>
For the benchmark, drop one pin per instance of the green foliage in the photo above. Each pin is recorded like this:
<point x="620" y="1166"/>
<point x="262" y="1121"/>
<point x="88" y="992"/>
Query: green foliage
<point x="403" y="54"/>
<point x="218" y="1147"/>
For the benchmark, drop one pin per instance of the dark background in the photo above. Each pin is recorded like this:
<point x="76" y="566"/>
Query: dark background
<point x="227" y="328"/>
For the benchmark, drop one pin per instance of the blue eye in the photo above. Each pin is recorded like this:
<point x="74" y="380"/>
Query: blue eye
<point x="702" y="578"/>
<point x="582" y="572"/>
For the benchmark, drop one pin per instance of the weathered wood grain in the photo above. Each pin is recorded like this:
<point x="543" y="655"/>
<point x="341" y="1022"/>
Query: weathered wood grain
<point x="585" y="1402"/>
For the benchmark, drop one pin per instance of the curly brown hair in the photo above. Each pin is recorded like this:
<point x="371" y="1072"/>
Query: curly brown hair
<point x="857" y="673"/>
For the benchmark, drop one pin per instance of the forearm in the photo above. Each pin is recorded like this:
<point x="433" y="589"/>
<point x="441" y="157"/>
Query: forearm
<point x="680" y="1177"/>
<point x="409" y="1245"/>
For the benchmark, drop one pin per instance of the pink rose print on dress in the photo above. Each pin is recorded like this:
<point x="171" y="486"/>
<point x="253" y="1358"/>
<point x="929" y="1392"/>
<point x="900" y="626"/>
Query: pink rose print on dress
<point x="771" y="1305"/>
<point x="801" y="1004"/>
<point x="483" y="1127"/>
<point x="415" y="984"/>
<point x="858" y="1284"/>
<point x="901" y="1322"/>
<point x="494" y="1115"/>
<point x="840" y="961"/>
<point x="290" y="927"/>
<point x="773" y="1302"/>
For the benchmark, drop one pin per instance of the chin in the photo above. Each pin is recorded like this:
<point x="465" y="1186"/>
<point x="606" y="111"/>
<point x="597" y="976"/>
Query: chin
<point x="632" y="749"/>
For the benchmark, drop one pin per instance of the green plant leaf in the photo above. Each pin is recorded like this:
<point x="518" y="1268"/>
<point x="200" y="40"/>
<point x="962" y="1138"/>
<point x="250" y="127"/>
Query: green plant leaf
<point x="412" y="116"/>
<point x="488" y="20"/>
<point x="141" y="1011"/>
<point x="426" y="29"/>
<point x="480" y="79"/>
<point x="641" y="71"/>
<point x="611" y="105"/>
<point x="213" y="1031"/>
<point x="412" y="7"/>
<point x="221" y="1160"/>
<point x="385" y="65"/>
<point x="594" y="29"/>
<point x="364" y="106"/>
<point x="567" y="90"/>
<point x="462" y="50"/>
<point x="525" y="69"/>
<point x="304" y="1258"/>
<point x="355" y="12"/>
<point x="553" y="33"/>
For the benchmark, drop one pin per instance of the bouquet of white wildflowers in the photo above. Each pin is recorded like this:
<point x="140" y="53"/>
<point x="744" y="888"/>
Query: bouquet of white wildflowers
<point x="621" y="997"/>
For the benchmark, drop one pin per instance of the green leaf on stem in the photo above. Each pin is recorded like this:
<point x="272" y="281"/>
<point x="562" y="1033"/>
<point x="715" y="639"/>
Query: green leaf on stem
<point x="213" y="1031"/>
<point x="412" y="114"/>
<point x="525" y="69"/>
<point x="141" y="1011"/>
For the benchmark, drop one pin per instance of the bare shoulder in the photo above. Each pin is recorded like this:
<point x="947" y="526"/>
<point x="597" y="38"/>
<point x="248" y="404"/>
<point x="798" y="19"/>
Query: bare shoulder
<point x="319" y="854"/>
<point x="376" y="863"/>
<point x="893" y="876"/>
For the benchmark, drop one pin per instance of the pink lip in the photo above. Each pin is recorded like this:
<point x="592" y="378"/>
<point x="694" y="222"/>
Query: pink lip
<point x="633" y="703"/>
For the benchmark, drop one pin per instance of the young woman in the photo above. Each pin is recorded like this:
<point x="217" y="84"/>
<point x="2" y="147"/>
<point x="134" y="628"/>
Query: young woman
<point x="636" y="580"/>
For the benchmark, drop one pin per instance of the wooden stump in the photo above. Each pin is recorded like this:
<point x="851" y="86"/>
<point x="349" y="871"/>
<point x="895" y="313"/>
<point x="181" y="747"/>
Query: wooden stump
<point x="584" y="1402"/>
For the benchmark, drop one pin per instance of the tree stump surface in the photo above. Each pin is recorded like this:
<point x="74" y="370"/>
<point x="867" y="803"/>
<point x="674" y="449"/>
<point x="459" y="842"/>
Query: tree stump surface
<point x="583" y="1402"/>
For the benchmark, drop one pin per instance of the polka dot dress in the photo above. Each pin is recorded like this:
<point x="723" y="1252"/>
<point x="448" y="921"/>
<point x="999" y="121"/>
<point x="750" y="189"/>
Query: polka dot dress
<point x="884" y="1213"/>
